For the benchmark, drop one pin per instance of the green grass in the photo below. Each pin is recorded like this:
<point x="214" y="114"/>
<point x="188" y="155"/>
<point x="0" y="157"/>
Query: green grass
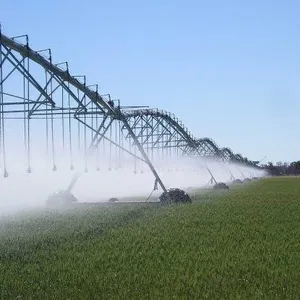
<point x="244" y="244"/>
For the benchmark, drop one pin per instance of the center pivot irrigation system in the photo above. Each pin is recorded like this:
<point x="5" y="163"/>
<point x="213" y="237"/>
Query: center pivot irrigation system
<point x="36" y="93"/>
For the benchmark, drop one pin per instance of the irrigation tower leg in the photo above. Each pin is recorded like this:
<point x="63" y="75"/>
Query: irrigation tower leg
<point x="144" y="154"/>
<point x="211" y="174"/>
<point x="141" y="149"/>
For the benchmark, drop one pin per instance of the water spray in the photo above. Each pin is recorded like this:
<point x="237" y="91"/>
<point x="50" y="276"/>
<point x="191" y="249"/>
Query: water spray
<point x="61" y="95"/>
<point x="217" y="185"/>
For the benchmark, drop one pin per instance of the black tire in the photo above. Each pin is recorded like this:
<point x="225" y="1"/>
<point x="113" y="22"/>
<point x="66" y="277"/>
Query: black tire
<point x="237" y="181"/>
<point x="221" y="186"/>
<point x="112" y="200"/>
<point x="61" y="198"/>
<point x="174" y="196"/>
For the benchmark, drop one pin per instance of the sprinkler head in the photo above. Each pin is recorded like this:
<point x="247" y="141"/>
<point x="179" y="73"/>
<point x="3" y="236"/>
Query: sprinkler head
<point x="54" y="168"/>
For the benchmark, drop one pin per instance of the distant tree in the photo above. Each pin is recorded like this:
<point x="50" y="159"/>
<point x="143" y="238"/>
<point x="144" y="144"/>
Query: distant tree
<point x="294" y="168"/>
<point x="272" y="170"/>
<point x="285" y="168"/>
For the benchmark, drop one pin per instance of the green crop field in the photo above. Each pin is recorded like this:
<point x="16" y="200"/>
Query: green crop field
<point x="240" y="244"/>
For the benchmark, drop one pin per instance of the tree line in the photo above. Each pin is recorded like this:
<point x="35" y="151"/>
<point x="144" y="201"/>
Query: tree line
<point x="280" y="168"/>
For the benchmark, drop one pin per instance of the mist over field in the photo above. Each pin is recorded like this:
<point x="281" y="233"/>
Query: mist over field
<point x="21" y="190"/>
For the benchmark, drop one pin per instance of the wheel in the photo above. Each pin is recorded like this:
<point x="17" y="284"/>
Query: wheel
<point x="60" y="198"/>
<point x="113" y="200"/>
<point x="174" y="195"/>
<point x="237" y="181"/>
<point x="221" y="186"/>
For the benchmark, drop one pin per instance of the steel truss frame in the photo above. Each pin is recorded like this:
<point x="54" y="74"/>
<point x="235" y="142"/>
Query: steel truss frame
<point x="59" y="95"/>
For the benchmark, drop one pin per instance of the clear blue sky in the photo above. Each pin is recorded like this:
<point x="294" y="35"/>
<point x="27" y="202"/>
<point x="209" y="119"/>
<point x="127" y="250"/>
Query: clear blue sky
<point x="230" y="70"/>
